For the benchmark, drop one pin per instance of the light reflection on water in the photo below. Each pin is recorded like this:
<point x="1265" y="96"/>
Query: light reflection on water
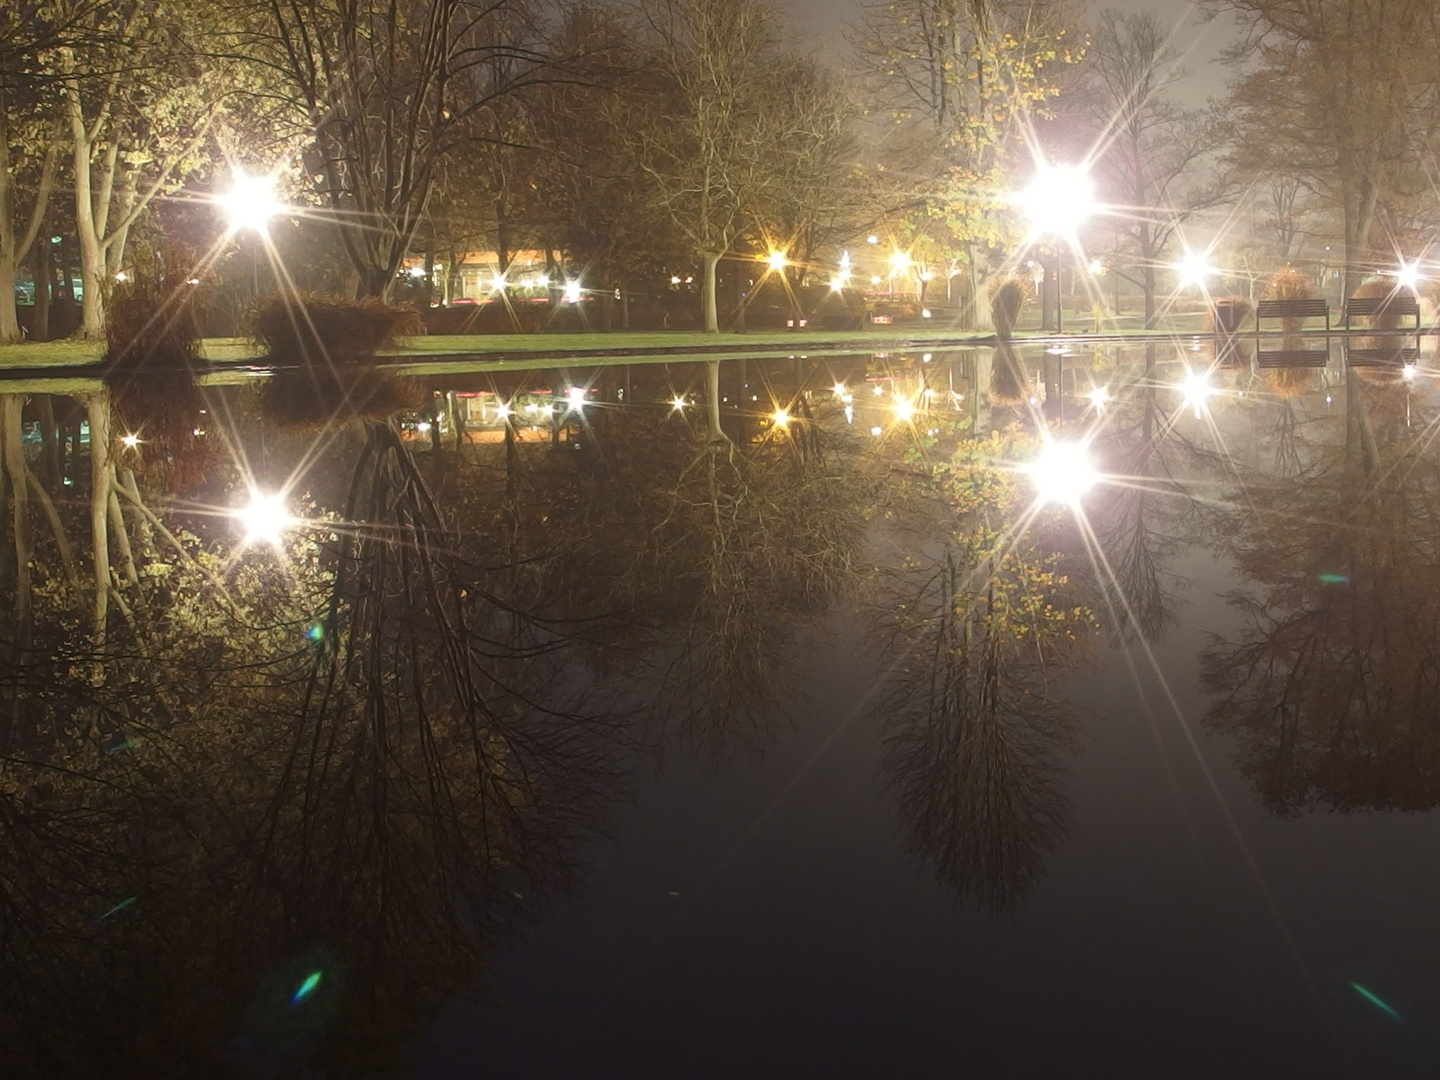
<point x="881" y="686"/>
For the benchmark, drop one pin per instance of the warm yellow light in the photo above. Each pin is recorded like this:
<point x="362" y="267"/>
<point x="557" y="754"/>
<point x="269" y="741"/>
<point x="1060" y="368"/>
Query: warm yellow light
<point x="264" y="518"/>
<point x="576" y="396"/>
<point x="781" y="418"/>
<point x="130" y="441"/>
<point x="839" y="389"/>
<point x="777" y="261"/>
<point x="572" y="292"/>
<point x="250" y="203"/>
<point x="1408" y="276"/>
<point x="899" y="261"/>
<point x="837" y="285"/>
<point x="904" y="410"/>
<point x="679" y="403"/>
<point x="503" y="412"/>
<point x="498" y="283"/>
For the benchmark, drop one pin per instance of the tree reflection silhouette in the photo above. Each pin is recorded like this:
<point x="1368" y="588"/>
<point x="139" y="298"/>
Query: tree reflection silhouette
<point x="974" y="635"/>
<point x="1332" y="687"/>
<point x="367" y="754"/>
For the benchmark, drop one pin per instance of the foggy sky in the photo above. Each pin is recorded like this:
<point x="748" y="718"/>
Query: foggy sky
<point x="821" y="21"/>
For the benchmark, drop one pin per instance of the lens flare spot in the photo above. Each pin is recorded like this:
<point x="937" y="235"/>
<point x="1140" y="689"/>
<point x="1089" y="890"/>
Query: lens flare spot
<point x="306" y="988"/>
<point x="1375" y="1000"/>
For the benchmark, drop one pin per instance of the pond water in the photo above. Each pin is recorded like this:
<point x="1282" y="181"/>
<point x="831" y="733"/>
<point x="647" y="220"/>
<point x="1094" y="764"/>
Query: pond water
<point x="553" y="732"/>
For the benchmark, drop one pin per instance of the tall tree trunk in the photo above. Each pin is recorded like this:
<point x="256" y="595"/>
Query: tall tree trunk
<point x="1359" y="199"/>
<point x="44" y="285"/>
<point x="712" y="313"/>
<point x="712" y="401"/>
<point x="49" y="443"/>
<point x="11" y="407"/>
<point x="98" y="407"/>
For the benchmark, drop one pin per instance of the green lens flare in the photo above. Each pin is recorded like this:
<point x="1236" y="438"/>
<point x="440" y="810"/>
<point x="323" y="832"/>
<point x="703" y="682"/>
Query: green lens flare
<point x="1370" y="997"/>
<point x="311" y="981"/>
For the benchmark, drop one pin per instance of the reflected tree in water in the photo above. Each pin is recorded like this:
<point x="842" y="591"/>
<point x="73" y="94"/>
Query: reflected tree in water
<point x="1332" y="686"/>
<point x="974" y="634"/>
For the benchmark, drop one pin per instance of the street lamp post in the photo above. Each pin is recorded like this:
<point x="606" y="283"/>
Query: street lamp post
<point x="1057" y="202"/>
<point x="249" y="205"/>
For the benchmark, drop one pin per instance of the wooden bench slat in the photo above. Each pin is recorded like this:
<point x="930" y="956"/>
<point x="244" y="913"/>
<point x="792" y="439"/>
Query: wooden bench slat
<point x="1304" y="358"/>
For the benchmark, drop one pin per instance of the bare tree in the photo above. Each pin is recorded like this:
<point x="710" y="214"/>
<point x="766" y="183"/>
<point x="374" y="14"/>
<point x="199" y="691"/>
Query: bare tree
<point x="1152" y="149"/>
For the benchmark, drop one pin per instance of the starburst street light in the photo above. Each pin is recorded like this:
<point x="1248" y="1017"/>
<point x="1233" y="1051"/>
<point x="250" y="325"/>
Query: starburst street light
<point x="1062" y="473"/>
<point x="1195" y="389"/>
<point x="1058" y="200"/>
<point x="1408" y="275"/>
<point x="1193" y="268"/>
<point x="777" y="261"/>
<point x="572" y="292"/>
<point x="264" y="518"/>
<point x="250" y="203"/>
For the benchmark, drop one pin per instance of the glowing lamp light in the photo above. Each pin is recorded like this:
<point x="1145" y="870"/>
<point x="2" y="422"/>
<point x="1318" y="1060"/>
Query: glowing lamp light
<point x="1408" y="275"/>
<point x="250" y="203"/>
<point x="1062" y="474"/>
<point x="121" y="276"/>
<point x="417" y="271"/>
<point x="1058" y="200"/>
<point x="1097" y="267"/>
<point x="576" y="396"/>
<point x="1098" y="397"/>
<point x="1408" y="373"/>
<point x="264" y="518"/>
<point x="899" y="262"/>
<point x="872" y="239"/>
<point x="875" y="279"/>
<point x="777" y="261"/>
<point x="498" y="283"/>
<point x="504" y="412"/>
<point x="130" y="441"/>
<point x="678" y="403"/>
<point x="837" y="284"/>
<point x="572" y="292"/>
<point x="1195" y="390"/>
<point x="839" y="389"/>
<point x="781" y="418"/>
<point x="1194" y="268"/>
<point x="904" y="410"/>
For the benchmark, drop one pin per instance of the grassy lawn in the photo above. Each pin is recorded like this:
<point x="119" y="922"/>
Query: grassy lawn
<point x="671" y="344"/>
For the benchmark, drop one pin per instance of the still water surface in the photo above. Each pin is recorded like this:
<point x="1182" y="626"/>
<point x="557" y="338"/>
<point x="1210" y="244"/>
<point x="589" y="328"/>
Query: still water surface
<point x="822" y="751"/>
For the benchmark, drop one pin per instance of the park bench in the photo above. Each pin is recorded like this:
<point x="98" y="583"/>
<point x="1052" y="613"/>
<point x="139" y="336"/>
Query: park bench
<point x="1291" y="309"/>
<point x="1291" y="358"/>
<point x="1387" y="357"/>
<point x="1373" y="307"/>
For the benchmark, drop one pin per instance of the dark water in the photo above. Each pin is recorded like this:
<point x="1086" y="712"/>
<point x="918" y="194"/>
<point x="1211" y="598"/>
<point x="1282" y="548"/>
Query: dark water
<point x="868" y="770"/>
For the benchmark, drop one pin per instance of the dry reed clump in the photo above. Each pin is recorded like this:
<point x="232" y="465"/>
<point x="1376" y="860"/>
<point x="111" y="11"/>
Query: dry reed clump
<point x="1381" y="287"/>
<point x="152" y="316"/>
<point x="333" y="341"/>
<point x="1287" y="283"/>
<point x="1288" y="382"/>
<point x="1007" y="297"/>
<point x="313" y="328"/>
<point x="1007" y="384"/>
<point x="315" y="398"/>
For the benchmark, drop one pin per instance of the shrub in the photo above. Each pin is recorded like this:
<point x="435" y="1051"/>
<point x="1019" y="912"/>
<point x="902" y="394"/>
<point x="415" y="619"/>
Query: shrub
<point x="1007" y="384"/>
<point x="1287" y="283"/>
<point x="316" y="397"/>
<point x="152" y="321"/>
<point x="1006" y="299"/>
<point x="308" y="328"/>
<point x="1375" y="288"/>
